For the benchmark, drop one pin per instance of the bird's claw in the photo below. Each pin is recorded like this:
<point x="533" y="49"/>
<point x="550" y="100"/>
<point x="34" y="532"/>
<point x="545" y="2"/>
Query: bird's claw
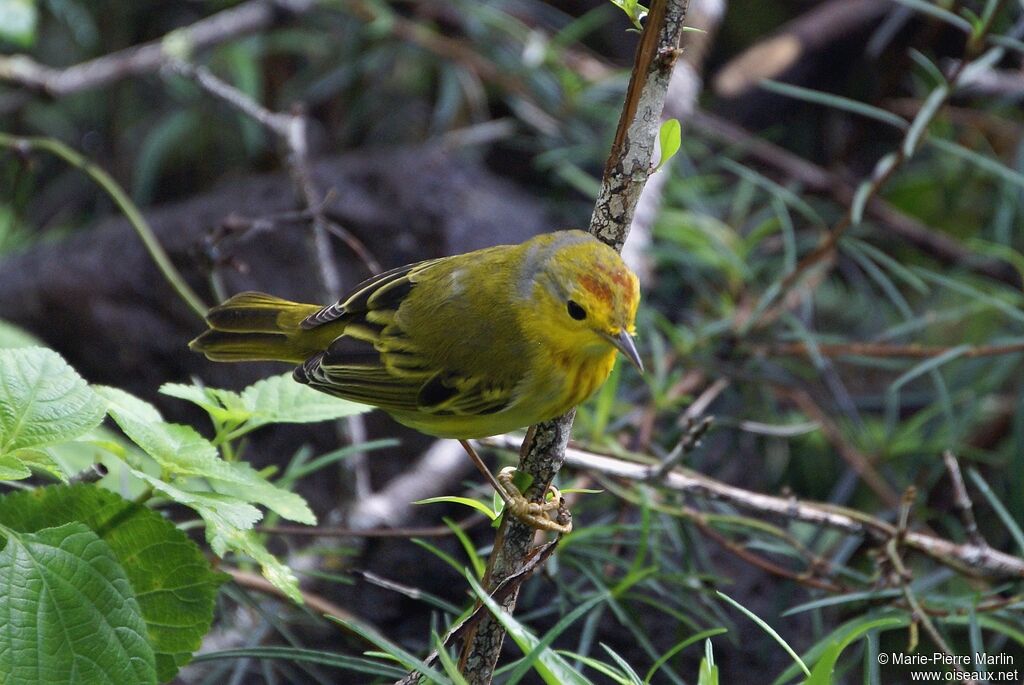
<point x="537" y="515"/>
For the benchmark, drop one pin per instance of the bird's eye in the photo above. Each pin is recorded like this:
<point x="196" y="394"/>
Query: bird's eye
<point x="576" y="311"/>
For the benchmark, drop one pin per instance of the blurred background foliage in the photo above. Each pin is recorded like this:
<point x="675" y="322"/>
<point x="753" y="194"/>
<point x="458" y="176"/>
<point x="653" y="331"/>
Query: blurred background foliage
<point x="797" y="410"/>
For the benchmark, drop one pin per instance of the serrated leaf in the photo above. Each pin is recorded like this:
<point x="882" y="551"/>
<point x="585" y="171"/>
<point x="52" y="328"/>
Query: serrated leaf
<point x="181" y="452"/>
<point x="279" y="399"/>
<point x="40" y="460"/>
<point x="279" y="575"/>
<point x="42" y="400"/>
<point x="219" y="511"/>
<point x="223" y="406"/>
<point x="171" y="579"/>
<point x="68" y="611"/>
<point x="11" y="468"/>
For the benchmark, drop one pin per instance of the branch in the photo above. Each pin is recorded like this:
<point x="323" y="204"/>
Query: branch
<point x="680" y="101"/>
<point x="238" y="21"/>
<point x="980" y="558"/>
<point x="626" y="172"/>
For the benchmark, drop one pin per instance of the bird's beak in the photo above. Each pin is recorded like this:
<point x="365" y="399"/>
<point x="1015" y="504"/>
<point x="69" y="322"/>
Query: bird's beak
<point x="624" y="343"/>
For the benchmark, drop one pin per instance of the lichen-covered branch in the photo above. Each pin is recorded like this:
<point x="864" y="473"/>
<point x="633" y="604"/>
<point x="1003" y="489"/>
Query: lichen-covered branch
<point x="974" y="556"/>
<point x="626" y="172"/>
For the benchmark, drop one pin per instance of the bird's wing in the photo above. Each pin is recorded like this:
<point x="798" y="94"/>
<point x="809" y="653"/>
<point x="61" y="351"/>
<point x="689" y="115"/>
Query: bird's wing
<point x="377" y="362"/>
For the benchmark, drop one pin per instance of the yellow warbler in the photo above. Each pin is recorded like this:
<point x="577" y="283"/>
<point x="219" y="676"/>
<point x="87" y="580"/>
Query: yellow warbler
<point x="460" y="347"/>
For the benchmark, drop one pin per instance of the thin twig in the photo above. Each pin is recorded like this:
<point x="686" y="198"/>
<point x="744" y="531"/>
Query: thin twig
<point x="858" y="461"/>
<point x="904" y="578"/>
<point x="963" y="500"/>
<point x="314" y="601"/>
<point x="694" y="431"/>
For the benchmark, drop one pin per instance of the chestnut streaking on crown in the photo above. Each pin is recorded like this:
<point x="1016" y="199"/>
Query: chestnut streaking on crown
<point x="461" y="347"/>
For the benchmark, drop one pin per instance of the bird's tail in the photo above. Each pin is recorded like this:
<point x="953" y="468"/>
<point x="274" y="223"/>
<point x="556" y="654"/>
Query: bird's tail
<point x="259" y="327"/>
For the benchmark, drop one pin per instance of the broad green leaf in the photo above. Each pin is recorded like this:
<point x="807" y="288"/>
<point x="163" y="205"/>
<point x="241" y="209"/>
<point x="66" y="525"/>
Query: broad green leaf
<point x="170" y="576"/>
<point x="228" y="521"/>
<point x="18" y="19"/>
<point x="219" y="511"/>
<point x="279" y="399"/>
<point x="12" y="336"/>
<point x="181" y="452"/>
<point x="68" y="611"/>
<point x="11" y="468"/>
<point x="37" y="460"/>
<point x="42" y="400"/>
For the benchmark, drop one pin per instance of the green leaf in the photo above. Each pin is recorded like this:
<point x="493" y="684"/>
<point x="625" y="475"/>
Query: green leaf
<point x="279" y="575"/>
<point x="171" y="578"/>
<point x="12" y="468"/>
<point x="228" y="521"/>
<point x="12" y="336"/>
<point x="68" y="612"/>
<point x="279" y="399"/>
<point x="219" y="511"/>
<point x="768" y="629"/>
<point x="42" y="400"/>
<point x="223" y="406"/>
<point x="467" y="501"/>
<point x="36" y="460"/>
<point x="633" y="9"/>
<point x="836" y="102"/>
<point x="408" y="661"/>
<point x="824" y="670"/>
<point x="551" y="667"/>
<point x="182" y="452"/>
<point x="18" y="19"/>
<point x="670" y="138"/>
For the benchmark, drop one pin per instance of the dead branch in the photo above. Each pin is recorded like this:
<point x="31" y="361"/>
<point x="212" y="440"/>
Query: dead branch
<point x="981" y="559"/>
<point x="244" y="19"/>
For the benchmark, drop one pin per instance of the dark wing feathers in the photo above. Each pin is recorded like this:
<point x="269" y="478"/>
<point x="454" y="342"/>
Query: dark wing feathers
<point x="376" y="362"/>
<point x="359" y="301"/>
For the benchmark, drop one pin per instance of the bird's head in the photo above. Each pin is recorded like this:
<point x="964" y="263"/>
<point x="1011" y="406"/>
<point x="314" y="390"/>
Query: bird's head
<point x="583" y="292"/>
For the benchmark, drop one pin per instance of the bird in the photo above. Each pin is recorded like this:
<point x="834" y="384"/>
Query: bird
<point x="465" y="346"/>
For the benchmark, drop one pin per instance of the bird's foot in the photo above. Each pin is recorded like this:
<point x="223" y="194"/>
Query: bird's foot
<point x="551" y="514"/>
